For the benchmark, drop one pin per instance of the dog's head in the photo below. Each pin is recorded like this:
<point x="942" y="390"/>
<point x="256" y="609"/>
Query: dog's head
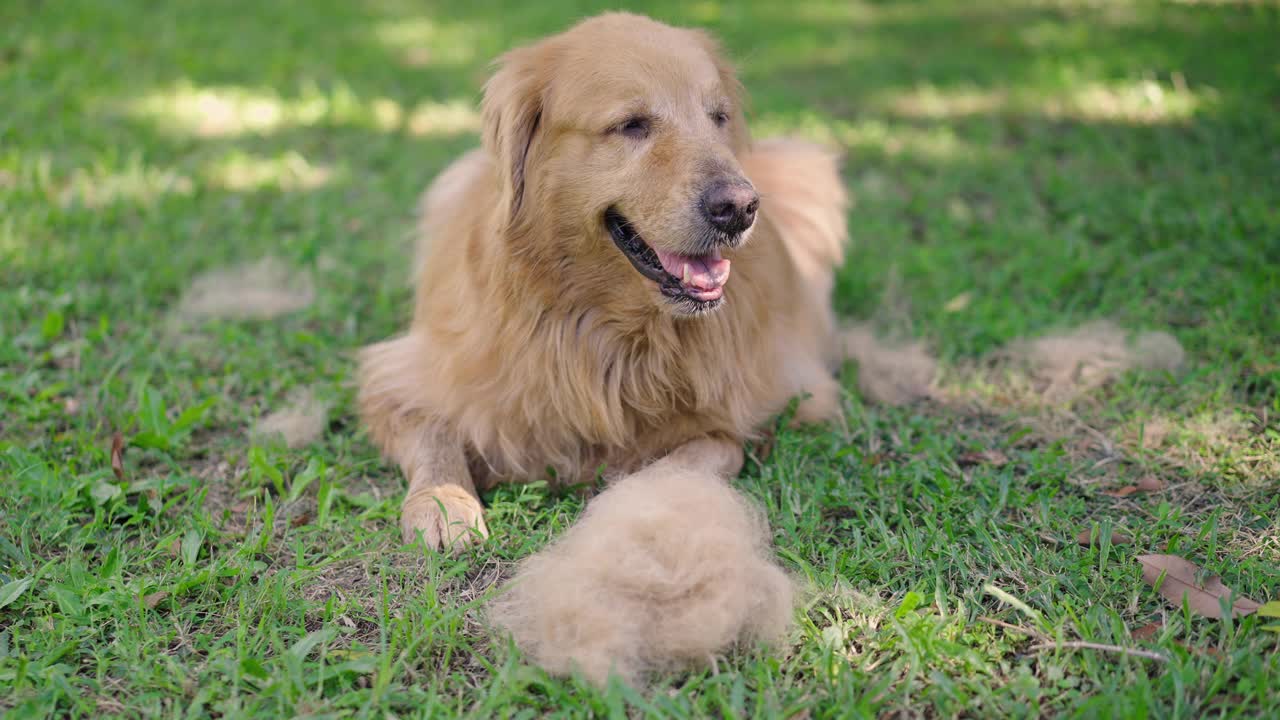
<point x="617" y="145"/>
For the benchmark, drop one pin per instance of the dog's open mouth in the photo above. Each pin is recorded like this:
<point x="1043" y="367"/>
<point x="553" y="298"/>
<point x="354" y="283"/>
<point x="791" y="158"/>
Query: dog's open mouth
<point x="697" y="279"/>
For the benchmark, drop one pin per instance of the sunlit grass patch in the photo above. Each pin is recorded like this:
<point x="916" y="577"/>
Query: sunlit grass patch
<point x="1232" y="444"/>
<point x="236" y="111"/>
<point x="129" y="179"/>
<point x="425" y="42"/>
<point x="936" y="103"/>
<point x="226" y="111"/>
<point x="212" y="112"/>
<point x="292" y="171"/>
<point x="455" y="117"/>
<point x="1142" y="102"/>
<point x="137" y="183"/>
<point x="931" y="144"/>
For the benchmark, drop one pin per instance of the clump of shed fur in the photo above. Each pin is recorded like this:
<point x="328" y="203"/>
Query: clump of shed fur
<point x="667" y="568"/>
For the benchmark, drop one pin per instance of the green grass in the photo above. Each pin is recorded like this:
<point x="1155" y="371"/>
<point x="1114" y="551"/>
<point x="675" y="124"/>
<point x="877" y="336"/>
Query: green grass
<point x="1059" y="162"/>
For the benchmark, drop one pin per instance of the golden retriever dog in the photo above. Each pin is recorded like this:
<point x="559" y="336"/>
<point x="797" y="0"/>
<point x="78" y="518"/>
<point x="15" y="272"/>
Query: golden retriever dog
<point x="618" y="275"/>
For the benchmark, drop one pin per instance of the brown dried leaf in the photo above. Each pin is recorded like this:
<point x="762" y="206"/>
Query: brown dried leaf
<point x="154" y="599"/>
<point x="875" y="459"/>
<point x="1125" y="491"/>
<point x="995" y="458"/>
<point x="1148" y="631"/>
<point x="1085" y="538"/>
<point x="1151" y="483"/>
<point x="300" y="519"/>
<point x="1179" y="582"/>
<point x="117" y="456"/>
<point x="1201" y="651"/>
<point x="1148" y="483"/>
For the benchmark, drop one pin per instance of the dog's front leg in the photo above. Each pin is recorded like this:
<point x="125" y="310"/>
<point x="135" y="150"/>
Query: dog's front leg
<point x="442" y="503"/>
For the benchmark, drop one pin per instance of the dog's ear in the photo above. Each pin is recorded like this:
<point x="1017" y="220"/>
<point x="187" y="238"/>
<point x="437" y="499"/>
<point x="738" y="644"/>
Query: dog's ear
<point x="512" y="110"/>
<point x="732" y="88"/>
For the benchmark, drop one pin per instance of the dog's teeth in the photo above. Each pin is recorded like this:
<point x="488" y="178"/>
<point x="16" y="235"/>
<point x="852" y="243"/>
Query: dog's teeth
<point x="687" y="274"/>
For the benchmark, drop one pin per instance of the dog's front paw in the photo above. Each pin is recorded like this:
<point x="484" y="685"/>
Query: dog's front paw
<point x="447" y="516"/>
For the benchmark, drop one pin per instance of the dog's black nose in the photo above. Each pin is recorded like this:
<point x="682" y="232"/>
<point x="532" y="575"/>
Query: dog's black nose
<point x="730" y="207"/>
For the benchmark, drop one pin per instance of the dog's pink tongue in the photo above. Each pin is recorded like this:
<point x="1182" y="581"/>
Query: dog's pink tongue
<point x="705" y="272"/>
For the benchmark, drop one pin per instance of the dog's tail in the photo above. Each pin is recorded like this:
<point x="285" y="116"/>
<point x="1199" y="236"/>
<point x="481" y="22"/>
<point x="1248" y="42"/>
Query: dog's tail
<point x="804" y="199"/>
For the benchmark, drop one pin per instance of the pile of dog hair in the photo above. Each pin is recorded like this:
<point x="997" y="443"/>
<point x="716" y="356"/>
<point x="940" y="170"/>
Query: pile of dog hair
<point x="667" y="568"/>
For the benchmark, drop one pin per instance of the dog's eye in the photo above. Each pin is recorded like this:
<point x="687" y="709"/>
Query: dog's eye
<point x="720" y="117"/>
<point x="636" y="128"/>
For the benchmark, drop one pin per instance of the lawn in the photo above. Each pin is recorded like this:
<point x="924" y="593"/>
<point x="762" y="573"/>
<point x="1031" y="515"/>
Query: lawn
<point x="1017" y="168"/>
